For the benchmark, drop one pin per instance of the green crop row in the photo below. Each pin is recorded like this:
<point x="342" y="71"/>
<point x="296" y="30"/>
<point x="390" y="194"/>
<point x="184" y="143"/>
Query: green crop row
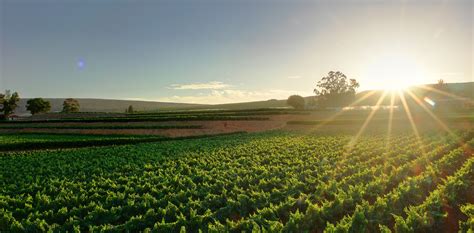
<point x="142" y="119"/>
<point x="15" y="142"/>
<point x="38" y="126"/>
<point x="40" y="141"/>
<point x="375" y="120"/>
<point x="254" y="112"/>
<point x="432" y="214"/>
<point x="34" y="137"/>
<point x="336" y="122"/>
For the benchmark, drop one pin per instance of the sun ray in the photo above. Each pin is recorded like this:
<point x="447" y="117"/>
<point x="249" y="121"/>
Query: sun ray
<point x="447" y="94"/>
<point x="334" y="116"/>
<point x="390" y="118"/>
<point x="331" y="118"/>
<point x="412" y="122"/>
<point x="367" y="121"/>
<point x="427" y="110"/>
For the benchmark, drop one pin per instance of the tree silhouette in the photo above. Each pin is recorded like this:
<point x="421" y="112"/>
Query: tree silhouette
<point x="130" y="109"/>
<point x="71" y="105"/>
<point x="441" y="85"/>
<point x="335" y="90"/>
<point x="296" y="102"/>
<point x="8" y="103"/>
<point x="38" y="105"/>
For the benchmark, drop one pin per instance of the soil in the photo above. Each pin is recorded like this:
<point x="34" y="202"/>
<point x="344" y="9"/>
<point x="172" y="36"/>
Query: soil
<point x="208" y="128"/>
<point x="219" y="127"/>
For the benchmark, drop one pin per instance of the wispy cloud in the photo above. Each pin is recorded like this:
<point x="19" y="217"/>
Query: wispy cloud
<point x="294" y="77"/>
<point x="232" y="96"/>
<point x="450" y="74"/>
<point x="214" y="85"/>
<point x="140" y="99"/>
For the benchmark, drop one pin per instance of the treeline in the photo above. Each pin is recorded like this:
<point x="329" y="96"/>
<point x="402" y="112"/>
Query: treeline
<point x="9" y="102"/>
<point x="336" y="91"/>
<point x="333" y="90"/>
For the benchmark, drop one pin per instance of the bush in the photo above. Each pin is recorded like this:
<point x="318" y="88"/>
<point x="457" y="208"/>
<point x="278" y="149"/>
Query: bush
<point x="38" y="105"/>
<point x="296" y="102"/>
<point x="71" y="105"/>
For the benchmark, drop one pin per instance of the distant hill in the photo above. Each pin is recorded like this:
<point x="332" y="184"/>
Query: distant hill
<point x="107" y="105"/>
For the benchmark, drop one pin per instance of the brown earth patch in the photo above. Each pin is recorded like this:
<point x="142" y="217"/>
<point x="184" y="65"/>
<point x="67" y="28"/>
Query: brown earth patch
<point x="208" y="128"/>
<point x="222" y="126"/>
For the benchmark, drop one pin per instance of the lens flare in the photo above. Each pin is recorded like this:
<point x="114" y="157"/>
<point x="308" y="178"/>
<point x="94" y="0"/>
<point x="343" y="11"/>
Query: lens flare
<point x="429" y="101"/>
<point x="81" y="64"/>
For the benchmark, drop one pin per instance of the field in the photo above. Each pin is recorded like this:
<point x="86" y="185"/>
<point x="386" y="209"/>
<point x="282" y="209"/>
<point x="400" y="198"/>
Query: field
<point x="347" y="116"/>
<point x="167" y="124"/>
<point x="210" y="122"/>
<point x="265" y="170"/>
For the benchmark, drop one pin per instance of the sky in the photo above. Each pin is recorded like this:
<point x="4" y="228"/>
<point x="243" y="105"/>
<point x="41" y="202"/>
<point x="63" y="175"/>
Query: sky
<point x="228" y="51"/>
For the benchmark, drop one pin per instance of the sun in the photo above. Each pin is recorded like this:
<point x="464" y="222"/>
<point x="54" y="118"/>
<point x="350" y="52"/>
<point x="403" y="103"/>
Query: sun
<point x="394" y="72"/>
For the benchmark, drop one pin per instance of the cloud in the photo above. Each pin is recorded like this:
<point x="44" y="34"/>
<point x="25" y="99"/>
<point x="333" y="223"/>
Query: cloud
<point x="294" y="77"/>
<point x="450" y="74"/>
<point x="214" y="85"/>
<point x="232" y="96"/>
<point x="139" y="99"/>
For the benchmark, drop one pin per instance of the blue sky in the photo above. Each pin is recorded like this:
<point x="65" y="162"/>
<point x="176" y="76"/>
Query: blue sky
<point x="227" y="51"/>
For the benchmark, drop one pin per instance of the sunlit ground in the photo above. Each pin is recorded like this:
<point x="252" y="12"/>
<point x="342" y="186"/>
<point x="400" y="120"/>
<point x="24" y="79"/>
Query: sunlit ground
<point x="404" y="95"/>
<point x="416" y="108"/>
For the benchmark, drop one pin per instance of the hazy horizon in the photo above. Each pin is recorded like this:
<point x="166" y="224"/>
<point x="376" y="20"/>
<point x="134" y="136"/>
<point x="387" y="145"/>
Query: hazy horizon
<point x="212" y="52"/>
<point x="236" y="102"/>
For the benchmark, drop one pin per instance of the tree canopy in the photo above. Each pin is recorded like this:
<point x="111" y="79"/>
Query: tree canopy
<point x="129" y="109"/>
<point x="335" y="90"/>
<point x="296" y="101"/>
<point x="441" y="85"/>
<point x="8" y="103"/>
<point x="71" y="105"/>
<point x="38" y="105"/>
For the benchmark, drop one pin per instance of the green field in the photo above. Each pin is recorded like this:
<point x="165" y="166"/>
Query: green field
<point x="39" y="138"/>
<point x="143" y="118"/>
<point x="101" y="126"/>
<point x="240" y="116"/>
<point x="274" y="181"/>
<point x="32" y="141"/>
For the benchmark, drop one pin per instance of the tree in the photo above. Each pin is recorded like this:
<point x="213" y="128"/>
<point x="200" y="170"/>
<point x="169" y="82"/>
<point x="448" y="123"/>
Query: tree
<point x="296" y="101"/>
<point x="70" y="105"/>
<point x="8" y="103"/>
<point x="38" y="105"/>
<point x="441" y="85"/>
<point x="129" y="109"/>
<point x="335" y="90"/>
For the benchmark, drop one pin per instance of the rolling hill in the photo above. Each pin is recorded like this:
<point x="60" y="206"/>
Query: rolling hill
<point x="109" y="105"/>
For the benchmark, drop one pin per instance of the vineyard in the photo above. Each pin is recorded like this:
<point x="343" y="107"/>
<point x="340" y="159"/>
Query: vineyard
<point x="149" y="119"/>
<point x="39" y="126"/>
<point x="265" y="182"/>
